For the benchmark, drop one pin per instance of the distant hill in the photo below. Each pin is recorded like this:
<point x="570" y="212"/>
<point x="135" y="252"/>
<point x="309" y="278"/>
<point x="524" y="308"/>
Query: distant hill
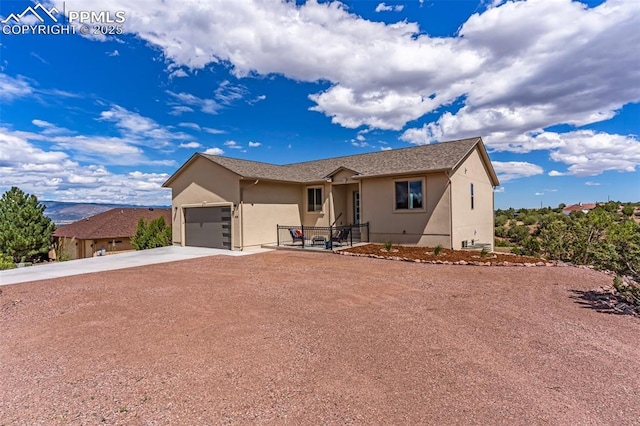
<point x="63" y="213"/>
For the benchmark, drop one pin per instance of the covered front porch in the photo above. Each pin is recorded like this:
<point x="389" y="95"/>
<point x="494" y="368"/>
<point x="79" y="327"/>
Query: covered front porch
<point x="322" y="237"/>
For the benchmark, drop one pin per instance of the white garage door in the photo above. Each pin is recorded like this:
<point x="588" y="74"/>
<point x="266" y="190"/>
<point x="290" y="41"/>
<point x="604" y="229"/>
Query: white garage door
<point x="208" y="227"/>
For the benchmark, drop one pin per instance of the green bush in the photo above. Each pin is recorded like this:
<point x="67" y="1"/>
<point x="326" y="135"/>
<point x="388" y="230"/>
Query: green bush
<point x="388" y="246"/>
<point x="518" y="233"/>
<point x="6" y="262"/>
<point x="501" y="220"/>
<point x="151" y="235"/>
<point x="437" y="250"/>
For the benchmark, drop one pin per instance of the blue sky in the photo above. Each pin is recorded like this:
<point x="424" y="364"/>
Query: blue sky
<point x="552" y="86"/>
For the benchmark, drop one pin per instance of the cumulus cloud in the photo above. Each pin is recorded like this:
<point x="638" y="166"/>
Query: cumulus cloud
<point x="254" y="144"/>
<point x="232" y="144"/>
<point x="190" y="145"/>
<point x="511" y="170"/>
<point x="52" y="174"/>
<point x="524" y="78"/>
<point x="510" y="84"/>
<point x="214" y="151"/>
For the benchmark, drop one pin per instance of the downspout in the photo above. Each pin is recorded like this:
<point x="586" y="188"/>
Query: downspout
<point x="330" y="181"/>
<point x="242" y="212"/>
<point x="450" y="211"/>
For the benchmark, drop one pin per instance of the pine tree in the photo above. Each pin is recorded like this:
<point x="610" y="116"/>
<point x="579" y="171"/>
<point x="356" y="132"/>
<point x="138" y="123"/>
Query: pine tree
<point x="25" y="232"/>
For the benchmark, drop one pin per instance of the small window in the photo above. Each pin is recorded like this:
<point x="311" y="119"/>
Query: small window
<point x="409" y="194"/>
<point x="472" y="201"/>
<point x="314" y="199"/>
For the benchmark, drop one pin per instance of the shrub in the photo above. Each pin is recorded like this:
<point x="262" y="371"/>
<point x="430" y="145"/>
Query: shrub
<point x="518" y="233"/>
<point x="437" y="250"/>
<point x="628" y="291"/>
<point x="151" y="235"/>
<point x="484" y="252"/>
<point x="6" y="262"/>
<point x="501" y="220"/>
<point x="388" y="246"/>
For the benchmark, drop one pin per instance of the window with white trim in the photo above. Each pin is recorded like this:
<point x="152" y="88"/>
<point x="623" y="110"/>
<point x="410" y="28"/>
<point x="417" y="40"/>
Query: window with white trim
<point x="314" y="199"/>
<point x="409" y="194"/>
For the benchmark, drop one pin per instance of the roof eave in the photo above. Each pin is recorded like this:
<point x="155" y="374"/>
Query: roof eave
<point x="407" y="173"/>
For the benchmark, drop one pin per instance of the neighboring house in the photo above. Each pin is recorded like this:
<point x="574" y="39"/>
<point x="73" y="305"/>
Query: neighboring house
<point x="584" y="208"/>
<point x="425" y="195"/>
<point x="110" y="231"/>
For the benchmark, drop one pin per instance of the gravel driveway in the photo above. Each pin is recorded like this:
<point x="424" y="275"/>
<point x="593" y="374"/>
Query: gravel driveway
<point x="291" y="338"/>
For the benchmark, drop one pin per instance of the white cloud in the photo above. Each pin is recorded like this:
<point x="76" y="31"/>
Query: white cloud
<point x="113" y="53"/>
<point x="539" y="193"/>
<point x="499" y="189"/>
<point x="179" y="109"/>
<point x="190" y="145"/>
<point x="254" y="144"/>
<point x="227" y="93"/>
<point x="589" y="183"/>
<point x="381" y="7"/>
<point x="140" y="130"/>
<point x="214" y="151"/>
<point x="511" y="84"/>
<point x="213" y="131"/>
<point x="554" y="173"/>
<point x="184" y="101"/>
<point x="192" y="126"/>
<point x="510" y="170"/>
<point x="51" y="174"/>
<point x="385" y="148"/>
<point x="232" y="144"/>
<point x="179" y="73"/>
<point x="257" y="99"/>
<point x="12" y="88"/>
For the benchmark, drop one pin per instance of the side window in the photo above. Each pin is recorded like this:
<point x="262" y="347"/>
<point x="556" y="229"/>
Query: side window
<point x="409" y="194"/>
<point x="314" y="199"/>
<point x="472" y="200"/>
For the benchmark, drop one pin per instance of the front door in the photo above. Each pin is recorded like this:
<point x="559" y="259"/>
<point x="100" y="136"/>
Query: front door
<point x="356" y="207"/>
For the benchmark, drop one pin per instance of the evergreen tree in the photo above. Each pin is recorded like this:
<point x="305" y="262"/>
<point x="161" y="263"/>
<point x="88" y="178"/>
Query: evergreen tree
<point x="151" y="235"/>
<point x="25" y="232"/>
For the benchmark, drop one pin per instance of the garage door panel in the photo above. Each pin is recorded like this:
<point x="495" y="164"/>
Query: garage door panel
<point x="208" y="227"/>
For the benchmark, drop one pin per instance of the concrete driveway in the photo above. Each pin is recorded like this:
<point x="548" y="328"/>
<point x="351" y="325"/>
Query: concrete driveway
<point x="112" y="262"/>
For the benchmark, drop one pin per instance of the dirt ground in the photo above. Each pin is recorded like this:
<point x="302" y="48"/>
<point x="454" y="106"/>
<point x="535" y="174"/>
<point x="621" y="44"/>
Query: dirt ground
<point x="309" y="338"/>
<point x="445" y="255"/>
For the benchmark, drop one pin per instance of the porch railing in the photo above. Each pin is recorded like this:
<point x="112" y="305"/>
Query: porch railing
<point x="322" y="236"/>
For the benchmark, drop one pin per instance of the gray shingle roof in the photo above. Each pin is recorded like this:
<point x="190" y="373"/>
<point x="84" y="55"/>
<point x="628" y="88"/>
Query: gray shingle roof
<point x="424" y="158"/>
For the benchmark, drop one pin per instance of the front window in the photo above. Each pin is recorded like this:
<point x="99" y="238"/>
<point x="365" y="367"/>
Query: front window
<point x="314" y="199"/>
<point x="409" y="194"/>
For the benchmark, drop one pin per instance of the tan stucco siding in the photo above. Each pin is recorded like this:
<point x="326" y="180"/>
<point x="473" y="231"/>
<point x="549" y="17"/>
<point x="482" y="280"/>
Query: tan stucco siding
<point x="266" y="205"/>
<point x="202" y="183"/>
<point x="427" y="227"/>
<point x="322" y="218"/>
<point x="343" y="177"/>
<point x="472" y="224"/>
<point x="342" y="213"/>
<point x="73" y="248"/>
